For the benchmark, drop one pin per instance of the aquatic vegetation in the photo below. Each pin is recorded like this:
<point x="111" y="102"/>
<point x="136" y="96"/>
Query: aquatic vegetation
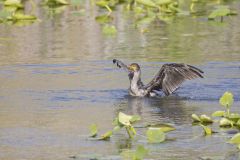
<point x="55" y="3"/>
<point x="228" y="119"/>
<point x="109" y="29"/>
<point x="138" y="154"/>
<point x="227" y="100"/>
<point x="106" y="135"/>
<point x="155" y="135"/>
<point x="221" y="11"/>
<point x="149" y="11"/>
<point x="13" y="13"/>
<point x="207" y="130"/>
<point x="203" y="119"/>
<point x="93" y="130"/>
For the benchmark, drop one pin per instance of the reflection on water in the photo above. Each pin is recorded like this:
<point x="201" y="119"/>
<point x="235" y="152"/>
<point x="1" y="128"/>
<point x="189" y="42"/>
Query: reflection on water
<point x="57" y="78"/>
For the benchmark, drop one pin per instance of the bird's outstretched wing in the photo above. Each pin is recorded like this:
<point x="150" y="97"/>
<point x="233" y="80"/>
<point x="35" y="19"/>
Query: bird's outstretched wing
<point x="171" y="76"/>
<point x="120" y="64"/>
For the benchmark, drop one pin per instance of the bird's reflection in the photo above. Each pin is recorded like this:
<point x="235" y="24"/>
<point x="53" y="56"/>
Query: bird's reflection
<point x="171" y="109"/>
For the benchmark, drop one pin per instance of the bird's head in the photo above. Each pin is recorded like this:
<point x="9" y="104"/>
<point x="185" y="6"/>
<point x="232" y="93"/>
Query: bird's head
<point x="134" y="67"/>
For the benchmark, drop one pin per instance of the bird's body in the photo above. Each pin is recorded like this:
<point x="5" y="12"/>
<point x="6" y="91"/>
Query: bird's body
<point x="168" y="79"/>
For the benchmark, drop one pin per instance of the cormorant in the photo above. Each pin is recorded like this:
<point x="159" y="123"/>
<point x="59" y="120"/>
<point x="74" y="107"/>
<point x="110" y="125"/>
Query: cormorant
<point x="168" y="78"/>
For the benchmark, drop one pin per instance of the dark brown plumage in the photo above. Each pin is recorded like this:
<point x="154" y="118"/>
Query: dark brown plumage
<point x="168" y="78"/>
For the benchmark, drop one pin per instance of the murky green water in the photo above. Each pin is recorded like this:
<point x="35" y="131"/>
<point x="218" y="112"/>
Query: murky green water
<point x="57" y="78"/>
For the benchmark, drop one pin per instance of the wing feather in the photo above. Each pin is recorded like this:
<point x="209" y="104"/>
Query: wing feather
<point x="171" y="76"/>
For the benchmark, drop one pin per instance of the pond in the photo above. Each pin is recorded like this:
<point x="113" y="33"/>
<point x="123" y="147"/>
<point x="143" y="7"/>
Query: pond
<point x="57" y="78"/>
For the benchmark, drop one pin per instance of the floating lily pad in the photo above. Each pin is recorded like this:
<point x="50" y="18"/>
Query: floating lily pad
<point x="235" y="139"/>
<point x="148" y="3"/>
<point x="13" y="3"/>
<point x="21" y="16"/>
<point x="205" y="119"/>
<point x="155" y="135"/>
<point x="106" y="136"/>
<point x="93" y="130"/>
<point x="218" y="114"/>
<point x="207" y="130"/>
<point x="227" y="99"/>
<point x="103" y="19"/>
<point x="196" y="118"/>
<point x="221" y="11"/>
<point x="124" y="119"/>
<point x="163" y="127"/>
<point x="224" y="122"/>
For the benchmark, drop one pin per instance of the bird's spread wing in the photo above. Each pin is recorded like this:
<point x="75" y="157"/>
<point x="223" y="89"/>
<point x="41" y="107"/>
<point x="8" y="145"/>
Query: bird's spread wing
<point x="171" y="76"/>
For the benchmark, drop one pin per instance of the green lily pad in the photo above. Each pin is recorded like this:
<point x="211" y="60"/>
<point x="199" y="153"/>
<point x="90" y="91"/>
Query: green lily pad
<point x="227" y="99"/>
<point x="207" y="130"/>
<point x="13" y="3"/>
<point x="205" y="119"/>
<point x="148" y="3"/>
<point x="93" y="130"/>
<point x="155" y="135"/>
<point x="218" y="114"/>
<point x="21" y="16"/>
<point x="163" y="127"/>
<point x="235" y="139"/>
<point x="224" y="122"/>
<point x="238" y="123"/>
<point x="163" y="2"/>
<point x="234" y="116"/>
<point x="103" y="19"/>
<point x="106" y="136"/>
<point x="124" y="119"/>
<point x="196" y="118"/>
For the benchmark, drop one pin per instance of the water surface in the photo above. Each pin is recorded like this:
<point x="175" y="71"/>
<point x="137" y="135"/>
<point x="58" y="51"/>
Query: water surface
<point x="57" y="78"/>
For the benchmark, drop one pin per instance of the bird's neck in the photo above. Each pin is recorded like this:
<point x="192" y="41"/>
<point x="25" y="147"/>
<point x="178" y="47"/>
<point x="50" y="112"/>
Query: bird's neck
<point x="136" y="80"/>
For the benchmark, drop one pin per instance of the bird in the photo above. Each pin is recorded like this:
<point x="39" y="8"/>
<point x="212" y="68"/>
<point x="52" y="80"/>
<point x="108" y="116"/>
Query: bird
<point x="168" y="79"/>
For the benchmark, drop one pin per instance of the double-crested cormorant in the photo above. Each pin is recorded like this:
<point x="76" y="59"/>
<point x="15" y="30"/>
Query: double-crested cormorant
<point x="168" y="78"/>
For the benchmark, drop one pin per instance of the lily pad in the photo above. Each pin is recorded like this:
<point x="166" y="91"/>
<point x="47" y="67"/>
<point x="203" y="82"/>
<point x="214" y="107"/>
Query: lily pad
<point x="148" y="3"/>
<point x="155" y="135"/>
<point x="13" y="3"/>
<point x="218" y="114"/>
<point x="207" y="130"/>
<point x="106" y="136"/>
<point x="93" y="130"/>
<point x="196" y="118"/>
<point x="205" y="119"/>
<point x="163" y="127"/>
<point x="21" y="16"/>
<point x="124" y="119"/>
<point x="224" y="122"/>
<point x="103" y="19"/>
<point x="227" y="99"/>
<point x="235" y="139"/>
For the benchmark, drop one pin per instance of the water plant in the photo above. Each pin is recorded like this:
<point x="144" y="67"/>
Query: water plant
<point x="13" y="13"/>
<point x="221" y="11"/>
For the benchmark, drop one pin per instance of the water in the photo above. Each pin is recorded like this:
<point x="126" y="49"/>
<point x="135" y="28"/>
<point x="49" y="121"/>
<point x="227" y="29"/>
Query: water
<point x="57" y="78"/>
